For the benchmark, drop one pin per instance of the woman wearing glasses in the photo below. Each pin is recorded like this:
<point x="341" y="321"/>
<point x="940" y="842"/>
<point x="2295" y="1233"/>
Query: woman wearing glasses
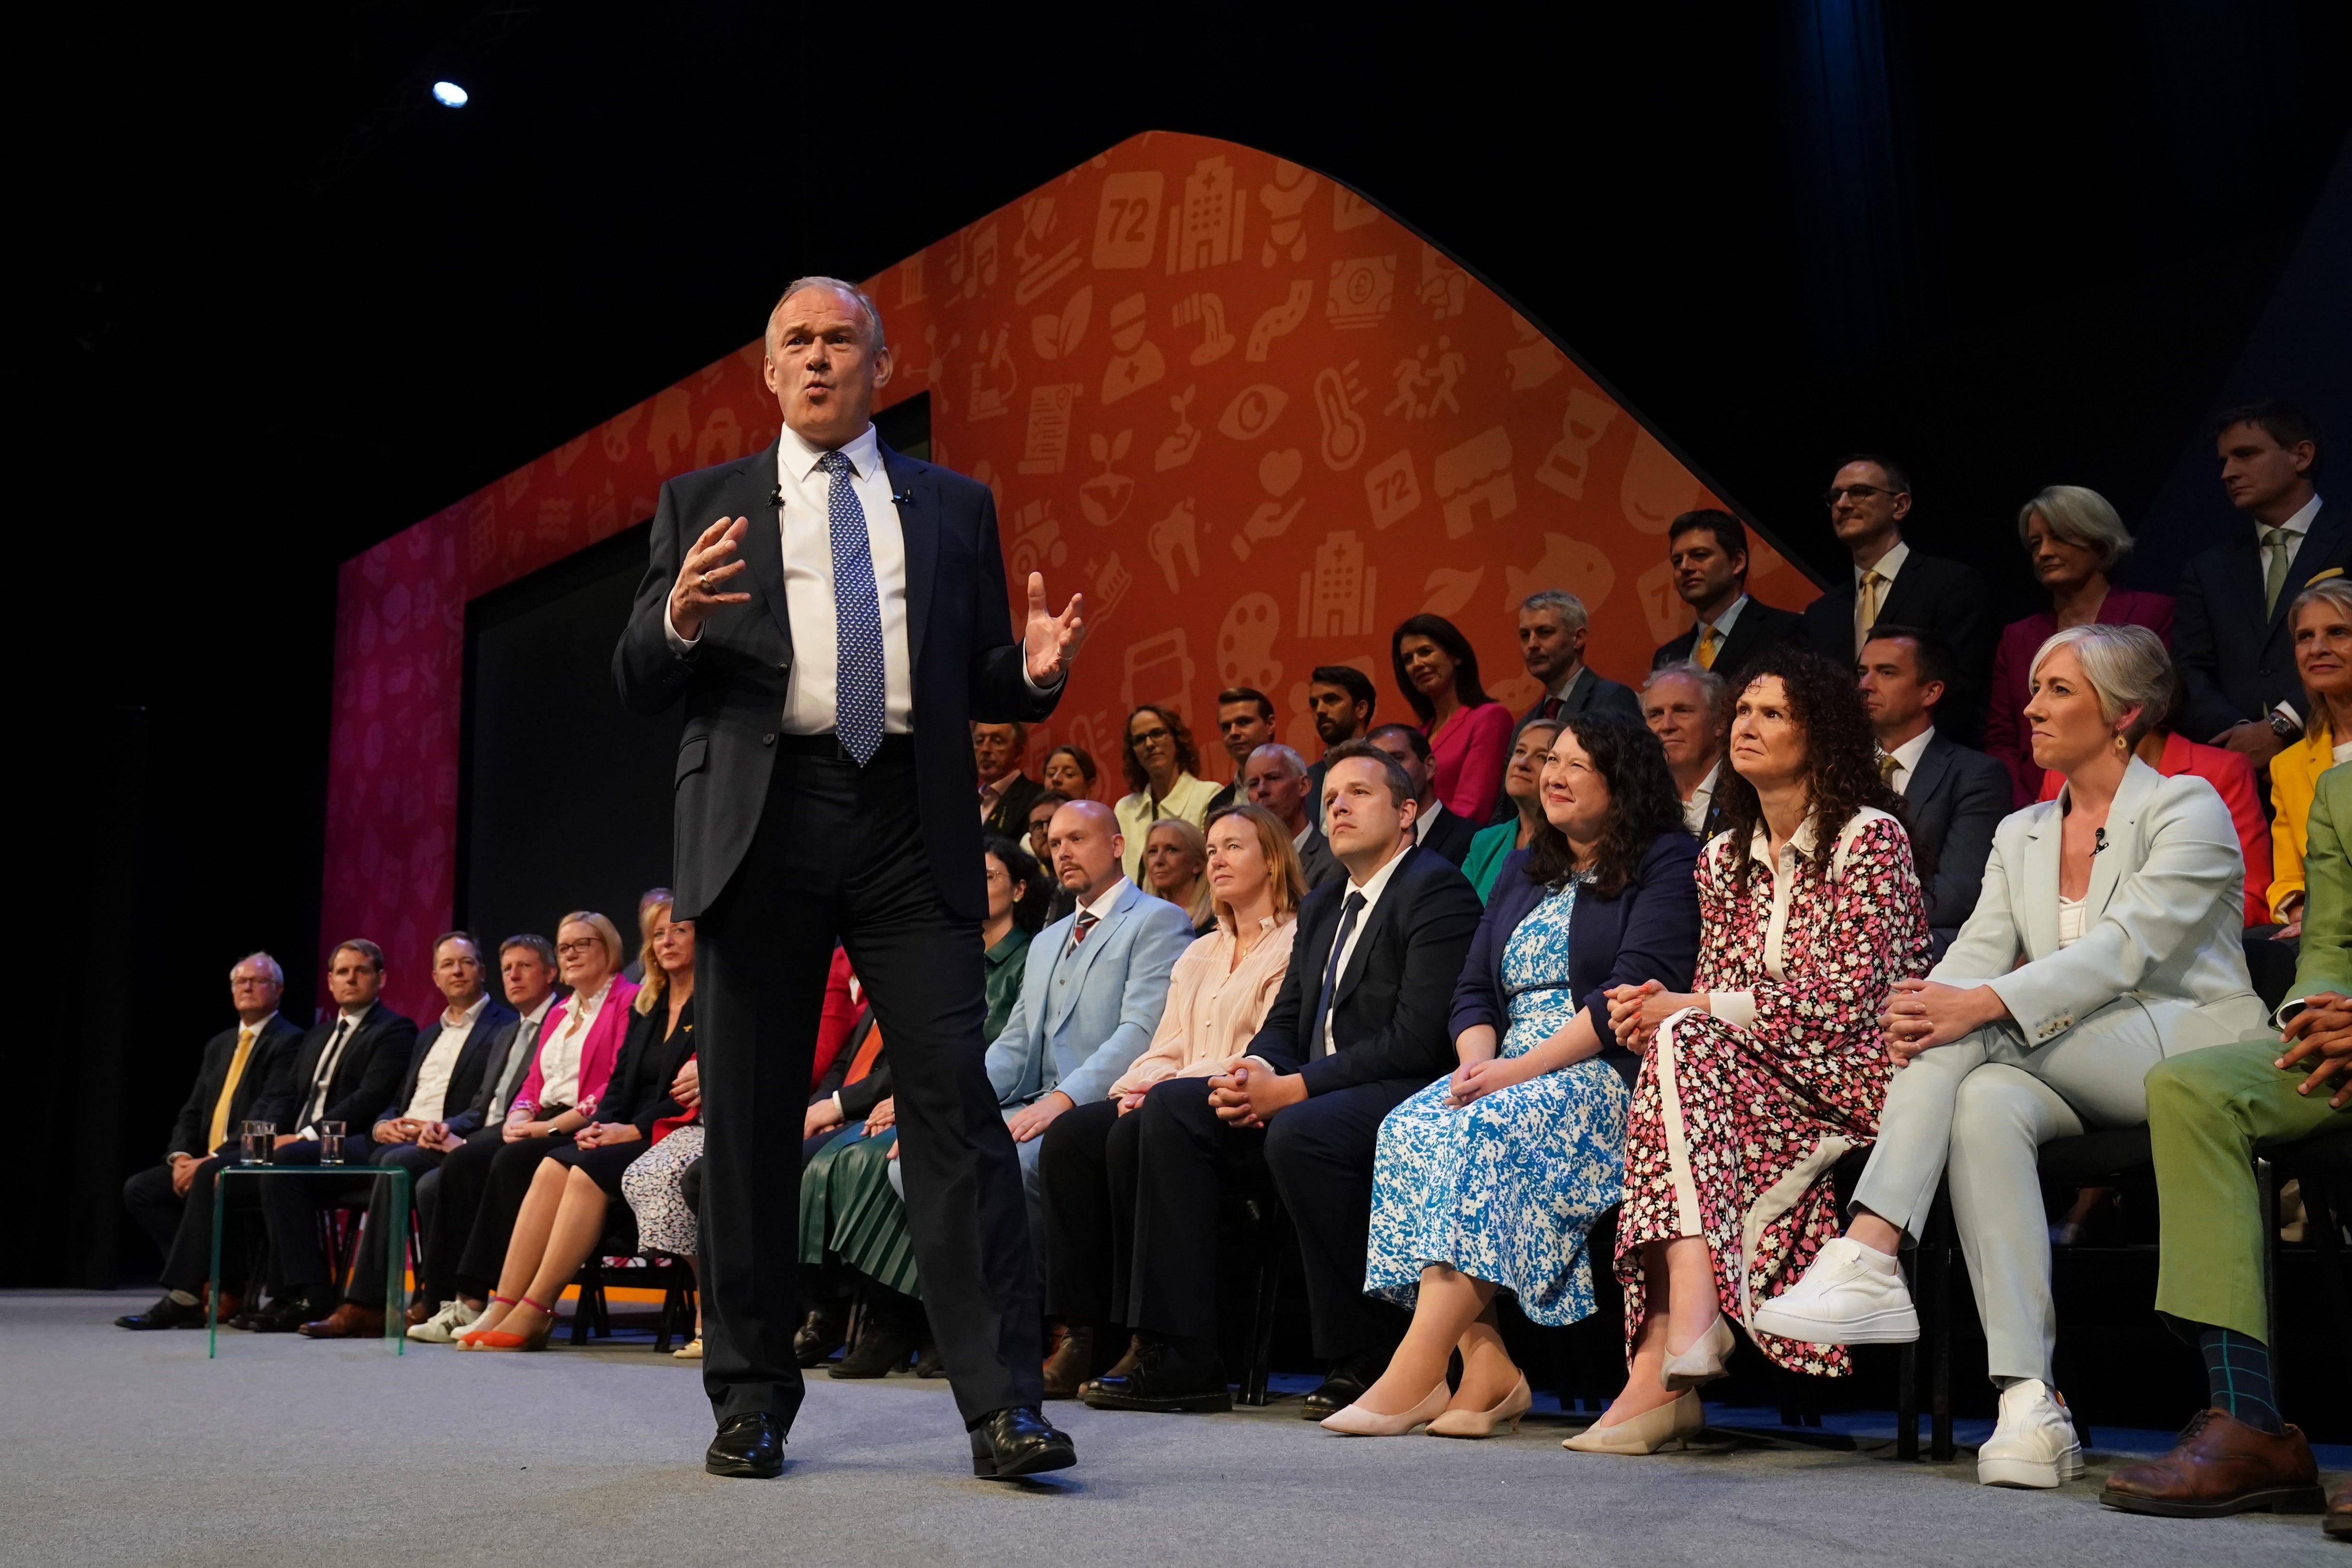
<point x="1158" y="758"/>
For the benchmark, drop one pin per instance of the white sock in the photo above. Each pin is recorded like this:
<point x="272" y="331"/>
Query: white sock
<point x="182" y="1298"/>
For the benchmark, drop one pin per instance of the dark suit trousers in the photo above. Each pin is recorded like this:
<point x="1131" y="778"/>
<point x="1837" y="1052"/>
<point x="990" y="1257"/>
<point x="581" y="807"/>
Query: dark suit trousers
<point x="1087" y="1161"/>
<point x="1320" y="1154"/>
<point x="838" y="855"/>
<point x="188" y="1261"/>
<point x="367" y="1286"/>
<point x="505" y="1184"/>
<point x="154" y="1205"/>
<point x="291" y="1210"/>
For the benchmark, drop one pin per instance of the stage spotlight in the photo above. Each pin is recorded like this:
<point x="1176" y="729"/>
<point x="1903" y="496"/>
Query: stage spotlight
<point x="449" y="95"/>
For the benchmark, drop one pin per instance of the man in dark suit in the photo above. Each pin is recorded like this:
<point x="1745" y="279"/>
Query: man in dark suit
<point x="1276" y="777"/>
<point x="831" y="657"/>
<point x="1244" y="723"/>
<point x="1708" y="553"/>
<point x="1868" y="502"/>
<point x="1952" y="798"/>
<point x="1340" y="699"/>
<point x="1688" y="710"/>
<point x="2230" y="636"/>
<point x="414" y="1131"/>
<point x="1440" y="832"/>
<point x="1006" y="792"/>
<point x="1359" y="1025"/>
<point x="236" y="1066"/>
<point x="1553" y="626"/>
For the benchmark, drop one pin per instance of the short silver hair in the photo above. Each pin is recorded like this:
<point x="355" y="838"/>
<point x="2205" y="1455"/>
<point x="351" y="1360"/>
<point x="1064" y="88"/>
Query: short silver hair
<point x="264" y="961"/>
<point x="865" y="302"/>
<point x="1711" y="685"/>
<point x="1561" y="603"/>
<point x="2126" y="667"/>
<point x="1296" y="762"/>
<point x="2083" y="517"/>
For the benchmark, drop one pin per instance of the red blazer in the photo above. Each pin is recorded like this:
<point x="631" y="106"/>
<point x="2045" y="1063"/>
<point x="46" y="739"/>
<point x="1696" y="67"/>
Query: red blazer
<point x="845" y="1004"/>
<point x="2012" y="668"/>
<point x="2233" y="776"/>
<point x="1467" y="755"/>
<point x="597" y="1052"/>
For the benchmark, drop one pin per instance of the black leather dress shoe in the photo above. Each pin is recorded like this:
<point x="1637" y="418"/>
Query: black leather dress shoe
<point x="883" y="1347"/>
<point x="286" y="1317"/>
<point x="165" y="1314"/>
<point x="1015" y="1442"/>
<point x="1168" y="1378"/>
<point x="821" y="1333"/>
<point x="751" y="1446"/>
<point x="1345" y="1384"/>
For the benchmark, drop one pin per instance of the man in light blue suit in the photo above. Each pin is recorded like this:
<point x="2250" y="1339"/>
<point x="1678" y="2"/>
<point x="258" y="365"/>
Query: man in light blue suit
<point x="1092" y="994"/>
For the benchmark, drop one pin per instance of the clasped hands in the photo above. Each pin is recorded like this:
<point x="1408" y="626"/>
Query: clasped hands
<point x="1636" y="1011"/>
<point x="2323" y="1030"/>
<point x="1924" y="1013"/>
<point x="1251" y="1094"/>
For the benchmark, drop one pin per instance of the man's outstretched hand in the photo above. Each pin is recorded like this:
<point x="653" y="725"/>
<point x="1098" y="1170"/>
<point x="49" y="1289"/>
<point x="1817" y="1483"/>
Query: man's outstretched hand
<point x="1052" y="642"/>
<point x="701" y="577"/>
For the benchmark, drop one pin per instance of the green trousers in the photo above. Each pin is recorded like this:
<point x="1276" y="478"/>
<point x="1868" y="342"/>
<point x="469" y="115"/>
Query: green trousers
<point x="2208" y="1111"/>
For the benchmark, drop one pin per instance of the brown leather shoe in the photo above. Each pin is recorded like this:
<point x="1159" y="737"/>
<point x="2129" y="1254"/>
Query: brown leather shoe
<point x="418" y="1312"/>
<point x="1070" y="1361"/>
<point x="1119" y="1372"/>
<point x="2221" y="1464"/>
<point x="348" y="1320"/>
<point x="2338" y="1523"/>
<point x="231" y="1303"/>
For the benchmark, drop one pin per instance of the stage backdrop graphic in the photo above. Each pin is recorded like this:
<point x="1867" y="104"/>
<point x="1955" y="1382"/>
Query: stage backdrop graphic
<point x="1254" y="419"/>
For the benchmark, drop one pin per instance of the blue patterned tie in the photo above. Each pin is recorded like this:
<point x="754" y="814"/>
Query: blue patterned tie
<point x="858" y="619"/>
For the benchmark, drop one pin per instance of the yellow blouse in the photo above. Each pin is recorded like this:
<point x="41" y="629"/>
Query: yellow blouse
<point x="2295" y="780"/>
<point x="1214" y="1006"/>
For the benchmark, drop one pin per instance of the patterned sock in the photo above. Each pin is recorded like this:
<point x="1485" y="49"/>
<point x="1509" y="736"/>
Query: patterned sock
<point x="2238" y="1372"/>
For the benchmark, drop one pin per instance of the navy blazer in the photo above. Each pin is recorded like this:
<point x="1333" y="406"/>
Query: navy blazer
<point x="1648" y="931"/>
<point x="2236" y="662"/>
<point x="1950" y="808"/>
<point x="464" y="1073"/>
<point x="1942" y="596"/>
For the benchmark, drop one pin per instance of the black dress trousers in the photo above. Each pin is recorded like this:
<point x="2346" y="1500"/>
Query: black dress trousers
<point x="839" y="856"/>
<point x="512" y="1169"/>
<point x="463" y="1178"/>
<point x="1087" y="1161"/>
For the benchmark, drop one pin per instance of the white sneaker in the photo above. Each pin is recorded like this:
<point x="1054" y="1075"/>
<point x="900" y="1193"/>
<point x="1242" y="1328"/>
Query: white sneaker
<point x="443" y="1326"/>
<point x="1853" y="1295"/>
<point x="2033" y="1444"/>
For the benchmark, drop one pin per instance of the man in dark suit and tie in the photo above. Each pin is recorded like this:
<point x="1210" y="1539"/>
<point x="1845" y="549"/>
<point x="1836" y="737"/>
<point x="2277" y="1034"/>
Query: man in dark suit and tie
<point x="1359" y="1025"/>
<point x="445" y="1073"/>
<point x="1868" y="502"/>
<point x="2230" y="636"/>
<point x="833" y="616"/>
<point x="1952" y="798"/>
<point x="236" y="1066"/>
<point x="1442" y="833"/>
<point x="1276" y="778"/>
<point x="1340" y="698"/>
<point x="1708" y="553"/>
<point x="1553" y="626"/>
<point x="1006" y="792"/>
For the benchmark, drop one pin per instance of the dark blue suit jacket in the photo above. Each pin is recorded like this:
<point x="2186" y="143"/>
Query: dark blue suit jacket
<point x="1649" y="931"/>
<point x="2236" y="662"/>
<point x="966" y="666"/>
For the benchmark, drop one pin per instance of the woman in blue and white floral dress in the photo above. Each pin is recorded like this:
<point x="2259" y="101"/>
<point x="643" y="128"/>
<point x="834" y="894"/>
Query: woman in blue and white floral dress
<point x="1491" y="1178"/>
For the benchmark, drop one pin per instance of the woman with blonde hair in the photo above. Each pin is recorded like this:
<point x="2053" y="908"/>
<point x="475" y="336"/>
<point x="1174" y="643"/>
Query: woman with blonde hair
<point x="1176" y="869"/>
<point x="2320" y="620"/>
<point x="1218" y="995"/>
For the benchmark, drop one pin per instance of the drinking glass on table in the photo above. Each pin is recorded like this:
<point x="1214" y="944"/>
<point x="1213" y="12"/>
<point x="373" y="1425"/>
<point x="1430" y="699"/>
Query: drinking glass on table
<point x="256" y="1139"/>
<point x="330" y="1142"/>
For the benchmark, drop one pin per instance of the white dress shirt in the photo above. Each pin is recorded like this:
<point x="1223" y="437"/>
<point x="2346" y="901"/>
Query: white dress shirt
<point x="353" y="1019"/>
<point x="1695" y="809"/>
<point x="1723" y="623"/>
<point x="1370" y="888"/>
<point x="433" y="1074"/>
<point x="1906" y="757"/>
<point x="559" y="1056"/>
<point x="1427" y="820"/>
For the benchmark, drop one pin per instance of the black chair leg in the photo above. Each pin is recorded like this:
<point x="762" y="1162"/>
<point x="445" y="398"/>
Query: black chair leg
<point x="2320" y="1229"/>
<point x="580" y="1317"/>
<point x="1273" y="1252"/>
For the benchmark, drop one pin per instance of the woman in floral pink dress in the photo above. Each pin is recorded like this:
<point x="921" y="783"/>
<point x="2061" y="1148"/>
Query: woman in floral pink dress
<point x="1755" y="1084"/>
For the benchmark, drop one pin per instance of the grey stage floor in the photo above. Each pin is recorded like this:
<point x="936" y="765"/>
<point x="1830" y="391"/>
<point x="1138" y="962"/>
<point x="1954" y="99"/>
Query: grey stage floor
<point x="134" y="1449"/>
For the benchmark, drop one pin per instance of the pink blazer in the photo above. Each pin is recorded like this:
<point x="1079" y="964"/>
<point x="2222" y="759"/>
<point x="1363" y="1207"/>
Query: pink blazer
<point x="597" y="1052"/>
<point x="2013" y="667"/>
<point x="1467" y="753"/>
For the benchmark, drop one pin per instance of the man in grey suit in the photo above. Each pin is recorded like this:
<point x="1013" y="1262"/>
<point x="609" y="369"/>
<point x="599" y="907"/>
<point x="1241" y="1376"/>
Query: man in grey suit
<point x="1092" y="994"/>
<point x="1953" y="797"/>
<point x="1276" y="778"/>
<point x="1553" y="625"/>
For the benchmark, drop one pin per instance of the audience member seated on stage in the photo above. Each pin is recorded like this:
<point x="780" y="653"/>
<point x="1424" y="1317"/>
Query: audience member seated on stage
<point x="998" y="752"/>
<point x="2073" y="539"/>
<point x="2107" y="938"/>
<point x="230" y="1076"/>
<point x="2230" y="632"/>
<point x="1868" y="502"/>
<point x="527" y="970"/>
<point x="1244" y="723"/>
<point x="1071" y="771"/>
<point x="1218" y="995"/>
<point x="1091" y="993"/>
<point x="1952" y="798"/>
<point x="1709" y="554"/>
<point x="562" y="1213"/>
<point x="655" y="1187"/>
<point x="448" y="1070"/>
<point x="1176" y="869"/>
<point x="633" y="971"/>
<point x="1277" y="780"/>
<point x="1687" y="708"/>
<point x="343" y="1072"/>
<point x="1340" y="701"/>
<point x="1553" y="626"/>
<point x="2210" y="1113"/>
<point x="1489" y="1180"/>
<point x="1158" y="758"/>
<point x="2321" y="625"/>
<point x="1444" y="833"/>
<point x="1755" y="1083"/>
<point x="853" y="1229"/>
<point x="1469" y="732"/>
<point x="484" y="1182"/>
<point x="1523" y="792"/>
<point x="1057" y="900"/>
<point x="1358" y="1025"/>
<point x="2232" y="778"/>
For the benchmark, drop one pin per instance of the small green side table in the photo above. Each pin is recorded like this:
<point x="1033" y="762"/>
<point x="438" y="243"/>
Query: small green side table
<point x="395" y="1272"/>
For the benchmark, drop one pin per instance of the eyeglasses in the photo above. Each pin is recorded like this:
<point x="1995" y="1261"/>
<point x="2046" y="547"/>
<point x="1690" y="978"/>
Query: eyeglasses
<point x="1836" y="493"/>
<point x="584" y="944"/>
<point x="1145" y="737"/>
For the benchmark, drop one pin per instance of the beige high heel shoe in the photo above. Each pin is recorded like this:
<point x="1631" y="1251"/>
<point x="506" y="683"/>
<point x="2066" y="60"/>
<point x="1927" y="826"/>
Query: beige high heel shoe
<point x="1481" y="1423"/>
<point x="1704" y="1362"/>
<point x="1647" y="1433"/>
<point x="1356" y="1421"/>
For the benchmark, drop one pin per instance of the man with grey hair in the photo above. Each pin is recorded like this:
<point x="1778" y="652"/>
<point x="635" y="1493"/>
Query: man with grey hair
<point x="1276" y="777"/>
<point x="1686" y="708"/>
<point x="831" y="660"/>
<point x="1553" y="625"/>
<point x="236" y="1066"/>
<point x="1707" y="552"/>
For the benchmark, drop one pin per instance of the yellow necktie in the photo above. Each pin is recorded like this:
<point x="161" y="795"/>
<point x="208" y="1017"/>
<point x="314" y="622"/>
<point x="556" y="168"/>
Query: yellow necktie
<point x="1886" y="766"/>
<point x="219" y="1134"/>
<point x="1708" y="639"/>
<point x="1866" y="612"/>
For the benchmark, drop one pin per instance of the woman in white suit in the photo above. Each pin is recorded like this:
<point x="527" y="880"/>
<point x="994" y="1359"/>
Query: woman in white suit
<point x="2105" y="939"/>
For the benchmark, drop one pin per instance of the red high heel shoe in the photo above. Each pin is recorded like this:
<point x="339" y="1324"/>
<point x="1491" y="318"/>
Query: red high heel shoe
<point x="500" y="1339"/>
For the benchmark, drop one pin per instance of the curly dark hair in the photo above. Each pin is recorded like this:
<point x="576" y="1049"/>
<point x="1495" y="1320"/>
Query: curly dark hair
<point x="1188" y="758"/>
<point x="1841" y="753"/>
<point x="1036" y="888"/>
<point x="1643" y="804"/>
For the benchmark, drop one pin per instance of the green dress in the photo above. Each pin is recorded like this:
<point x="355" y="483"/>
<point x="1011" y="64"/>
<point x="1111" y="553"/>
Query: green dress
<point x="1487" y="852"/>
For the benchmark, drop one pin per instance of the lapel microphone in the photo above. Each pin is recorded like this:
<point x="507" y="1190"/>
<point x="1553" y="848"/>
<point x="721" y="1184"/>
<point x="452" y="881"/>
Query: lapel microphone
<point x="776" y="496"/>
<point x="2098" y="841"/>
